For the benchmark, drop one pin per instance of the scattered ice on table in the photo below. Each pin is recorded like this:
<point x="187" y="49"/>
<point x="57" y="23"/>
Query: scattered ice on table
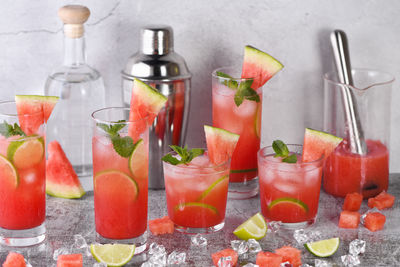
<point x="250" y="265"/>
<point x="60" y="251"/>
<point x="274" y="226"/>
<point x="81" y="245"/>
<point x="99" y="264"/>
<point x="301" y="236"/>
<point x="28" y="263"/>
<point x="350" y="260"/>
<point x="254" y="246"/>
<point x="240" y="246"/>
<point x="362" y="218"/>
<point x="357" y="247"/>
<point x="286" y="264"/>
<point x="314" y="236"/>
<point x="176" y="257"/>
<point x="199" y="240"/>
<point x="321" y="263"/>
<point x="146" y="264"/>
<point x="306" y="265"/>
<point x="156" y="249"/>
<point x="225" y="262"/>
<point x="159" y="259"/>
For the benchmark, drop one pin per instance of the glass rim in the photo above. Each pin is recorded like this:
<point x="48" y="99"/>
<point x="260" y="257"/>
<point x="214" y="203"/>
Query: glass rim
<point x="264" y="157"/>
<point x="93" y="115"/>
<point x="214" y="74"/>
<point x="391" y="79"/>
<point x="195" y="167"/>
<point x="16" y="115"/>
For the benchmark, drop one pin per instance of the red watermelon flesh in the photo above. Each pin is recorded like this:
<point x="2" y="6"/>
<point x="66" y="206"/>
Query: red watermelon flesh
<point x="374" y="221"/>
<point x="352" y="202"/>
<point x="382" y="201"/>
<point x="146" y="102"/>
<point x="220" y="144"/>
<point x="318" y="143"/>
<point x="290" y="254"/>
<point x="268" y="259"/>
<point x="228" y="252"/>
<point x="14" y="260"/>
<point x="349" y="219"/>
<point x="259" y="65"/>
<point x="61" y="179"/>
<point x="161" y="226"/>
<point x="70" y="260"/>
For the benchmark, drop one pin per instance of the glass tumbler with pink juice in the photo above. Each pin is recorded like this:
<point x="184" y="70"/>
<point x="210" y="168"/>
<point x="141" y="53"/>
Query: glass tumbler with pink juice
<point x="289" y="192"/>
<point x="22" y="176"/>
<point x="120" y="177"/>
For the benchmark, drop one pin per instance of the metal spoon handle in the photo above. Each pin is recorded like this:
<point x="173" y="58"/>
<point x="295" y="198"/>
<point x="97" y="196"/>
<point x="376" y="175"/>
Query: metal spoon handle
<point x="343" y="66"/>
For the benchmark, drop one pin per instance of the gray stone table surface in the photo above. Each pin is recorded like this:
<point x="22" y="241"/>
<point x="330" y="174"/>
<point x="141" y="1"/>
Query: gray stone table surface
<point x="66" y="218"/>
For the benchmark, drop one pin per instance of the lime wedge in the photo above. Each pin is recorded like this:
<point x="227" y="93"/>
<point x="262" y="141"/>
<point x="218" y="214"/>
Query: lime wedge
<point x="212" y="186"/>
<point x="8" y="172"/>
<point x="138" y="161"/>
<point x="26" y="152"/>
<point x="323" y="248"/>
<point x="255" y="227"/>
<point x="113" y="254"/>
<point x="288" y="200"/>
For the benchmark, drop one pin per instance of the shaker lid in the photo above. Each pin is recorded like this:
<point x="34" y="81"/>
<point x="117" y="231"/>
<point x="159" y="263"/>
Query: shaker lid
<point x="73" y="17"/>
<point x="156" y="59"/>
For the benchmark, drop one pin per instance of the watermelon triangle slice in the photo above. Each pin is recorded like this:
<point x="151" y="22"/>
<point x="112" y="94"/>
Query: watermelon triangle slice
<point x="61" y="179"/>
<point x="220" y="144"/>
<point x="318" y="143"/>
<point x="259" y="65"/>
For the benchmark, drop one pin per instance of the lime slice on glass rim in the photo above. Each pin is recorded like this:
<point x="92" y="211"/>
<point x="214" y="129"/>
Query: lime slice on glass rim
<point x="255" y="227"/>
<point x="26" y="152"/>
<point x="113" y="254"/>
<point x="288" y="200"/>
<point x="323" y="248"/>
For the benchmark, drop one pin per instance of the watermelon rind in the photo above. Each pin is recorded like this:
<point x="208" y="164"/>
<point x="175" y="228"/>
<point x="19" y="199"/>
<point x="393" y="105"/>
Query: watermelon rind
<point x="220" y="143"/>
<point x="318" y="143"/>
<point x="47" y="103"/>
<point x="149" y="96"/>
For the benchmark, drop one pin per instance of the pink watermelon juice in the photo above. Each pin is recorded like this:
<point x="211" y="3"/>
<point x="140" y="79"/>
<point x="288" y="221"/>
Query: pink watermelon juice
<point x="196" y="194"/>
<point x="289" y="192"/>
<point x="348" y="173"/>
<point x="244" y="120"/>
<point x="120" y="179"/>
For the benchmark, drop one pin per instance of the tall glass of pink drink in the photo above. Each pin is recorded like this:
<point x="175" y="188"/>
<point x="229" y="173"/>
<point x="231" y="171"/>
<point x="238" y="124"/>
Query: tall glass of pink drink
<point x="120" y="177"/>
<point x="289" y="192"/>
<point x="244" y="120"/>
<point x="196" y="194"/>
<point x="22" y="177"/>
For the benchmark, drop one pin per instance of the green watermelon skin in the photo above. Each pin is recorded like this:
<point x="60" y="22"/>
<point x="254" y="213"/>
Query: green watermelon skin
<point x="259" y="65"/>
<point x="61" y="179"/>
<point x="318" y="143"/>
<point x="14" y="260"/>
<point x="220" y="144"/>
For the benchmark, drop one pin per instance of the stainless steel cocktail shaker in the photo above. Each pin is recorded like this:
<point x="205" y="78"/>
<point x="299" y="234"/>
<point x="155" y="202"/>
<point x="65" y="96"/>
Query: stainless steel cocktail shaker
<point x="157" y="64"/>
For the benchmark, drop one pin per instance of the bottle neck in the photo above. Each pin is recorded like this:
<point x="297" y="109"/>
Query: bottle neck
<point x="74" y="51"/>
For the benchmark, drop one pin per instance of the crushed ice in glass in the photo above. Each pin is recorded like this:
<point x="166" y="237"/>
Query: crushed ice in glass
<point x="274" y="226"/>
<point x="250" y="265"/>
<point x="350" y="260"/>
<point x="199" y="240"/>
<point x="254" y="246"/>
<point x="321" y="263"/>
<point x="240" y="246"/>
<point x="362" y="218"/>
<point x="225" y="262"/>
<point x="60" y="251"/>
<point x="176" y="257"/>
<point x="357" y="247"/>
<point x="99" y="264"/>
<point x="286" y="264"/>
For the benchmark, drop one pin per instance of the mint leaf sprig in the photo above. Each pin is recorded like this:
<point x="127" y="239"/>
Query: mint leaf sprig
<point x="281" y="150"/>
<point x="243" y="90"/>
<point x="186" y="155"/>
<point x="8" y="130"/>
<point x="124" y="146"/>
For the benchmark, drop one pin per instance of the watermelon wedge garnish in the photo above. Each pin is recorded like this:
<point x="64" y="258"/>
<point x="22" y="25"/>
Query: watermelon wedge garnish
<point x="318" y="143"/>
<point x="220" y="144"/>
<point x="259" y="65"/>
<point x="146" y="101"/>
<point x="39" y="107"/>
<point x="61" y="178"/>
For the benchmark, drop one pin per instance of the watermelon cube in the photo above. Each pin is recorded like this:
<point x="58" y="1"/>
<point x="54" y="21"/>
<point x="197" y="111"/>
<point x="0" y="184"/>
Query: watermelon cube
<point x="161" y="226"/>
<point x="352" y="202"/>
<point x="381" y="201"/>
<point x="268" y="259"/>
<point x="14" y="260"/>
<point x="228" y="252"/>
<point x="349" y="219"/>
<point x="70" y="260"/>
<point x="292" y="255"/>
<point x="374" y="221"/>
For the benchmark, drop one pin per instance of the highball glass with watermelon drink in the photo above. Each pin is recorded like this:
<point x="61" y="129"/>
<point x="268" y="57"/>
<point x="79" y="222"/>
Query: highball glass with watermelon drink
<point x="120" y="177"/>
<point x="244" y="120"/>
<point x="196" y="194"/>
<point x="289" y="192"/>
<point x="22" y="177"/>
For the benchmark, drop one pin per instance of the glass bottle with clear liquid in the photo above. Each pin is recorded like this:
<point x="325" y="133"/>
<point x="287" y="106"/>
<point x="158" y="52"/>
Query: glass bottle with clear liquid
<point x="81" y="91"/>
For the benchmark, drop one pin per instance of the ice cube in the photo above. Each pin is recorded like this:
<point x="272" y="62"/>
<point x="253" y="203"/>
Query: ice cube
<point x="322" y="263"/>
<point x="362" y="218"/>
<point x="225" y="262"/>
<point x="156" y="249"/>
<point x="250" y="265"/>
<point x="176" y="257"/>
<point x="60" y="251"/>
<point x="80" y="242"/>
<point x="240" y="246"/>
<point x="247" y="109"/>
<point x="286" y="187"/>
<point x="199" y="240"/>
<point x="357" y="247"/>
<point x="27" y="263"/>
<point x="254" y="246"/>
<point x="274" y="226"/>
<point x="159" y="259"/>
<point x="314" y="236"/>
<point x="350" y="260"/>
<point x="99" y="264"/>
<point x="301" y="236"/>
<point x="306" y="265"/>
<point x="286" y="264"/>
<point x="146" y="264"/>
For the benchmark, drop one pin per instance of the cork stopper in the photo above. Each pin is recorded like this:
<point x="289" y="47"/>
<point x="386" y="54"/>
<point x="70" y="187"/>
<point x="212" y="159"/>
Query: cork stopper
<point x="73" y="17"/>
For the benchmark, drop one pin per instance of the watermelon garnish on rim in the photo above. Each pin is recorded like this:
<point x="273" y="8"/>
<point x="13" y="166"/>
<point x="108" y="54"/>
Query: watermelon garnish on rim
<point x="318" y="143"/>
<point x="146" y="103"/>
<point x="259" y="65"/>
<point x="32" y="105"/>
<point x="220" y="144"/>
